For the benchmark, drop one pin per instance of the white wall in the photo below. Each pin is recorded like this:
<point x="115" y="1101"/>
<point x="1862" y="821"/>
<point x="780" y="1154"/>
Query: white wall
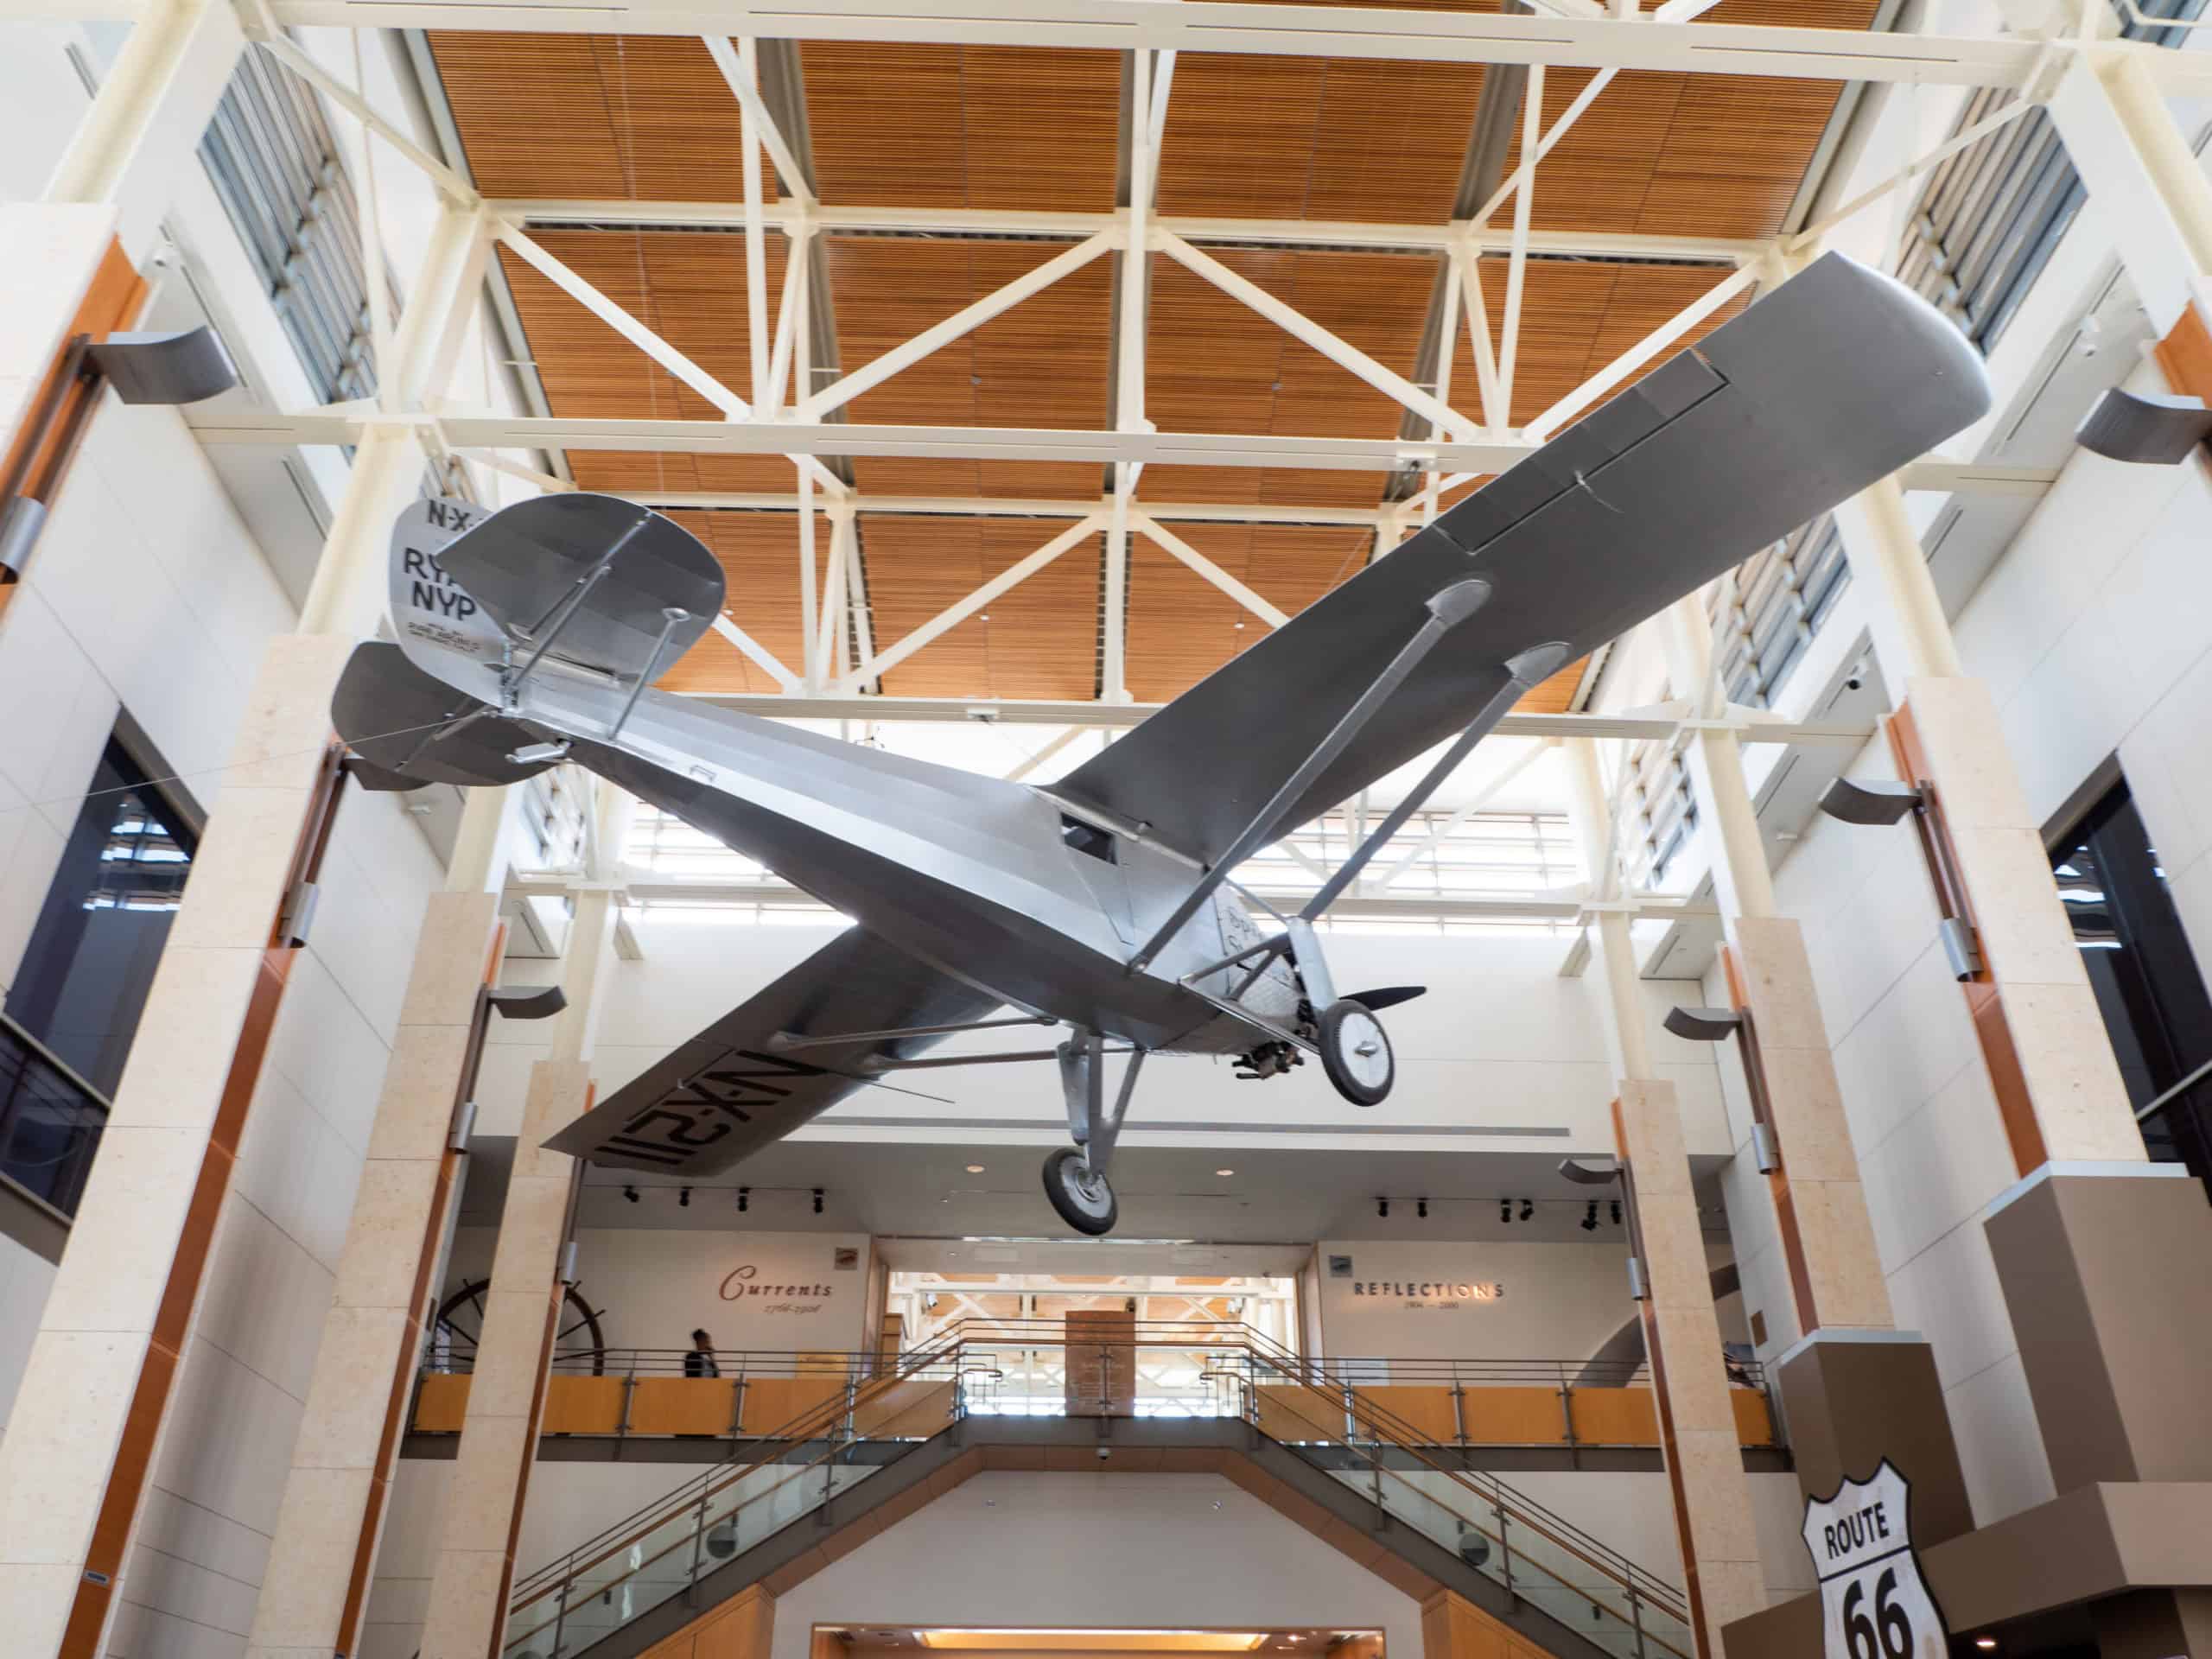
<point x="2094" y="635"/>
<point x="655" y="1287"/>
<point x="1174" y="1551"/>
<point x="1559" y="1300"/>
<point x="1501" y="1042"/>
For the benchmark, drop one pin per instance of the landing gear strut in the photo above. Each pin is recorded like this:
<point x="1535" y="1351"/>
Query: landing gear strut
<point x="1075" y="1177"/>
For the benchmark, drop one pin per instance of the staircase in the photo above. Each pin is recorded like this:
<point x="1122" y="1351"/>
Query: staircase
<point x="1324" y="1453"/>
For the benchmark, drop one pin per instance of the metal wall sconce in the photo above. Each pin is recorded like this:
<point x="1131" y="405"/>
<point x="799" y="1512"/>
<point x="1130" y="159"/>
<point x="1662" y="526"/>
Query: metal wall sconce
<point x="2153" y="429"/>
<point x="1714" y="1025"/>
<point x="528" y="1002"/>
<point x="143" y="368"/>
<point x="1884" y="804"/>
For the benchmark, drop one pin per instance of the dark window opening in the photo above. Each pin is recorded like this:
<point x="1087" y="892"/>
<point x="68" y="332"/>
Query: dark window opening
<point x="2143" y="974"/>
<point x="1089" y="839"/>
<point x="75" y="1004"/>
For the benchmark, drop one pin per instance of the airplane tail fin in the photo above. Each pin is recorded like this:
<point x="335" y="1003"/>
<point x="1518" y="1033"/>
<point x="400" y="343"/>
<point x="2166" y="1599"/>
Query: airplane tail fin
<point x="583" y="585"/>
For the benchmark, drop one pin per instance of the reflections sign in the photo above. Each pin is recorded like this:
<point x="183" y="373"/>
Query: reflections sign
<point x="1430" y="1293"/>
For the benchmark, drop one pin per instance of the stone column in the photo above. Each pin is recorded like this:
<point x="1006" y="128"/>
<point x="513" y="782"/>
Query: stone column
<point x="1852" y="1389"/>
<point x="1698" y="1436"/>
<point x="323" y="1558"/>
<point x="475" y="1568"/>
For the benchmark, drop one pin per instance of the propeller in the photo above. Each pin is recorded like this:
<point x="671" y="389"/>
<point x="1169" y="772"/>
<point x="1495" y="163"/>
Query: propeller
<point x="1388" y="996"/>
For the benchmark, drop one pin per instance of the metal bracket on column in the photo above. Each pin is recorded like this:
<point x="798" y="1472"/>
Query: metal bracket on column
<point x="568" y="1273"/>
<point x="460" y="1126"/>
<point x="298" y="914"/>
<point x="1637" y="1291"/>
<point x="1763" y="1149"/>
<point x="527" y="1001"/>
<point x="1887" y="803"/>
<point x="2150" y="427"/>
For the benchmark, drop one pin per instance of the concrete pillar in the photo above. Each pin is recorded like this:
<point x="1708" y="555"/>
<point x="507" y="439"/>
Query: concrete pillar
<point x="323" y="1558"/>
<point x="1698" y="1435"/>
<point x="475" y="1568"/>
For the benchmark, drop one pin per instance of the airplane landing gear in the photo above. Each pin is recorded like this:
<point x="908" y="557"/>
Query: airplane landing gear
<point x="1084" y="1197"/>
<point x="1356" y="1051"/>
<point x="1075" y="1177"/>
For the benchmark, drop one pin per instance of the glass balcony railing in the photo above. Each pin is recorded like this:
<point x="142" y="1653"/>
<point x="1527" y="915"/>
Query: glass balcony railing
<point x="1384" y="1441"/>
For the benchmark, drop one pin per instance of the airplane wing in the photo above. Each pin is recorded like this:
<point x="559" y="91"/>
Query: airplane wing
<point x="1834" y="381"/>
<point x="731" y="1090"/>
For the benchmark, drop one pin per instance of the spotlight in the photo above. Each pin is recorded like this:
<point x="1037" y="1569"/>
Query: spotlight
<point x="683" y="1197"/>
<point x="975" y="1169"/>
<point x="817" y="1200"/>
<point x="1590" y="1218"/>
<point x="1984" y="1643"/>
<point x="1383" y="1208"/>
<point x="1527" y="1209"/>
<point x="1617" y="1212"/>
<point x="1505" y="1211"/>
<point x="1421" y="1208"/>
<point x="744" y="1199"/>
<point x="631" y="1193"/>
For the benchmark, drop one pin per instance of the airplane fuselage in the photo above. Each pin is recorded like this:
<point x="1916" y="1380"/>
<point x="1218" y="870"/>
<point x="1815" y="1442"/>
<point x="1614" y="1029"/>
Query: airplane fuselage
<point x="996" y="883"/>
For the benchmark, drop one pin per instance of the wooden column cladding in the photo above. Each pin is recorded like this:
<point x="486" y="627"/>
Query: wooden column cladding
<point x="1985" y="1005"/>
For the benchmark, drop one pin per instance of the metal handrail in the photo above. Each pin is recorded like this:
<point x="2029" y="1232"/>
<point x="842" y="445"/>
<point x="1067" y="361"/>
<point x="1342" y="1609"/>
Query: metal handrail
<point x="1384" y="1427"/>
<point x="815" y="1421"/>
<point x="1512" y="1508"/>
<point x="1363" y="1427"/>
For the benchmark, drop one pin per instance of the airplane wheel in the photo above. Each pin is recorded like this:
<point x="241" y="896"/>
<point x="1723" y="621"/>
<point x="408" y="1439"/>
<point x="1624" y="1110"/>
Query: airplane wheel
<point x="1356" y="1053"/>
<point x="1085" y="1201"/>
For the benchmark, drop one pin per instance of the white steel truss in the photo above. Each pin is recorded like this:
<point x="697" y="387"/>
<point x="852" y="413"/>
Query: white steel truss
<point x="789" y="416"/>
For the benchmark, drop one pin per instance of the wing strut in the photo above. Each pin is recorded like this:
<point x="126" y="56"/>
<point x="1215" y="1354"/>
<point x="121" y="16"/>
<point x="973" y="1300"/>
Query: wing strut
<point x="1529" y="668"/>
<point x="1446" y="610"/>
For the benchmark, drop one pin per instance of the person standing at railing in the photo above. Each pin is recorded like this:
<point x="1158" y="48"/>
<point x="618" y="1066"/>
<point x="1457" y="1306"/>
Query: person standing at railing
<point x="700" y="1362"/>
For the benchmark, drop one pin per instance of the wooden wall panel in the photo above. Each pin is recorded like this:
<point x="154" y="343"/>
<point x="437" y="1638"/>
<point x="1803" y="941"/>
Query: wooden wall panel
<point x="639" y="117"/>
<point x="1041" y="638"/>
<point x="949" y="126"/>
<point x="690" y="289"/>
<point x="758" y="552"/>
<point x="1213" y="364"/>
<point x="1181" y="627"/>
<point x="1044" y="362"/>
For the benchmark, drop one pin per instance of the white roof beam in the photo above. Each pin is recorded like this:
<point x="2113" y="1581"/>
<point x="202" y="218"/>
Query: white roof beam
<point x="1785" y="51"/>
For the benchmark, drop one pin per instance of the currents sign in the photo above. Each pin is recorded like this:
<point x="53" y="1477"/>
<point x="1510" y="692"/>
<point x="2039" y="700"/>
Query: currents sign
<point x="1875" y="1604"/>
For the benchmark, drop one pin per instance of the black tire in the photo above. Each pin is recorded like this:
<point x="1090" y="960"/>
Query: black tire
<point x="1090" y="1206"/>
<point x="1347" y="1025"/>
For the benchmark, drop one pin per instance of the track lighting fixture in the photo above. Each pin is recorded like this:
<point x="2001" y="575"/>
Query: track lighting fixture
<point x="631" y="1193"/>
<point x="1421" y="1208"/>
<point x="1617" y="1212"/>
<point x="744" y="1199"/>
<point x="817" y="1200"/>
<point x="1590" y="1218"/>
<point x="1383" y="1208"/>
<point x="1505" y="1211"/>
<point x="1528" y="1209"/>
<point x="683" y="1197"/>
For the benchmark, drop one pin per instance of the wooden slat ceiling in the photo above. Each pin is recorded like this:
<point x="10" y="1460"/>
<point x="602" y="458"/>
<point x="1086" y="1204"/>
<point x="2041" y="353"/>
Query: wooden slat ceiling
<point x="1015" y="128"/>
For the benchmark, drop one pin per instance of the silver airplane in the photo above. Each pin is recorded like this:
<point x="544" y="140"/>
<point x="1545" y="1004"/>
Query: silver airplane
<point x="1103" y="902"/>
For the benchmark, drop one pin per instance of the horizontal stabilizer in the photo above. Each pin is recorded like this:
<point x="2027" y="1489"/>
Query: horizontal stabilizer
<point x="407" y="724"/>
<point x="593" y="579"/>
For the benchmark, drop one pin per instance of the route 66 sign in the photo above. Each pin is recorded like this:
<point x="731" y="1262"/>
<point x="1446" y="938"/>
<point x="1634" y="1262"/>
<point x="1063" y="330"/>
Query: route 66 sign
<point x="1874" y="1603"/>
